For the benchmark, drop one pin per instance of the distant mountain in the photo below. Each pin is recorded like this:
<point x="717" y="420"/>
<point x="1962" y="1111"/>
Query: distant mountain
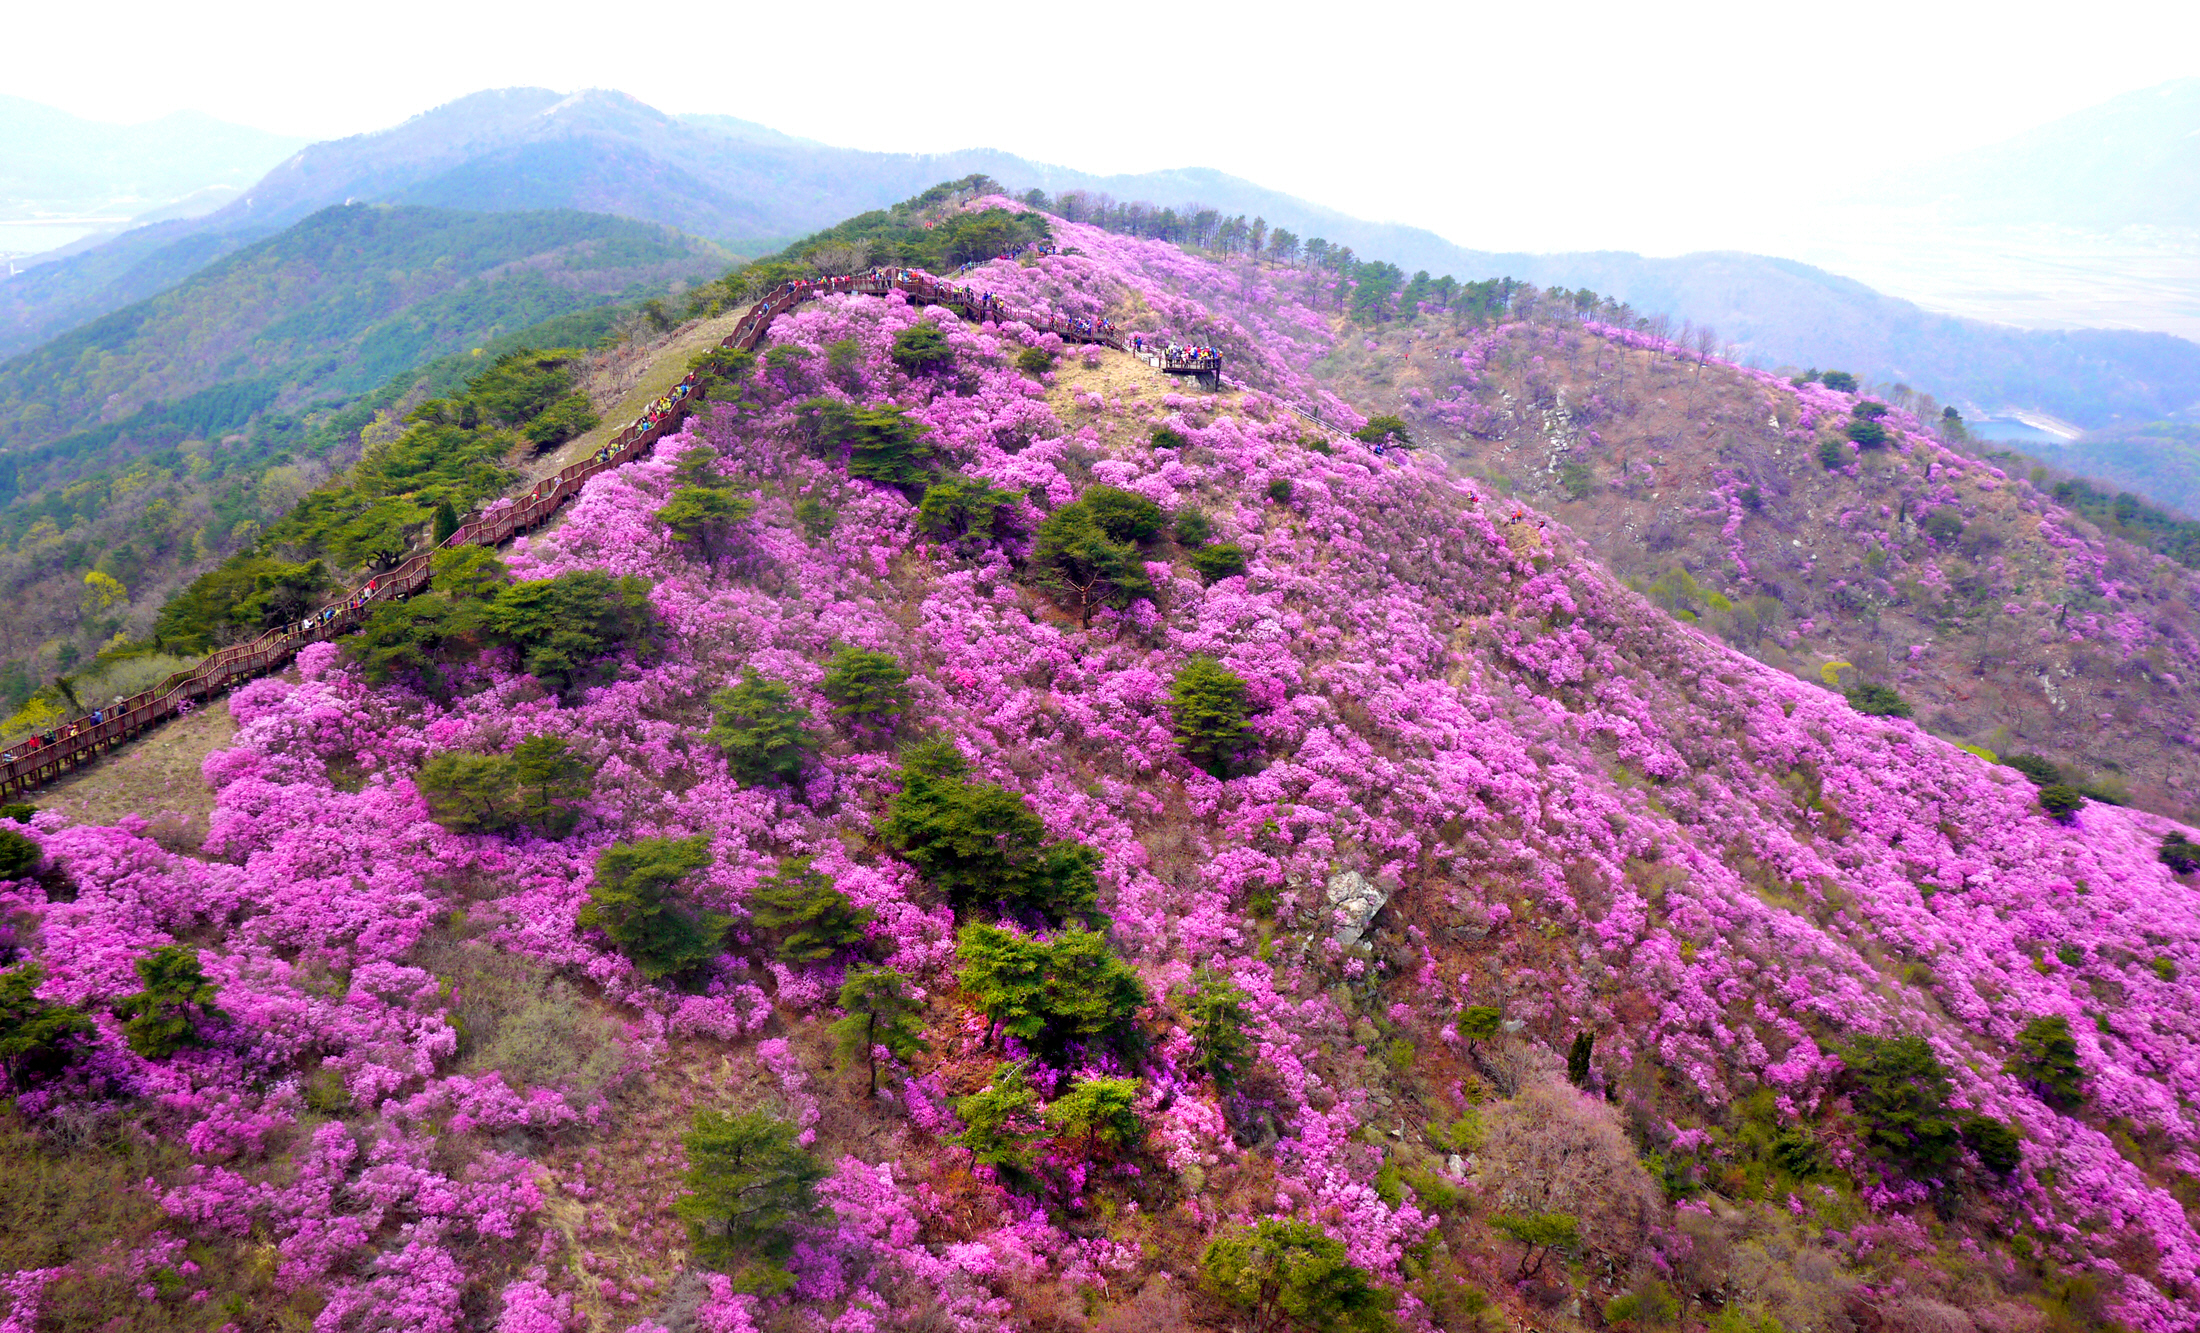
<point x="2133" y="161"/>
<point x="62" y="165"/>
<point x="751" y="188"/>
<point x="326" y="309"/>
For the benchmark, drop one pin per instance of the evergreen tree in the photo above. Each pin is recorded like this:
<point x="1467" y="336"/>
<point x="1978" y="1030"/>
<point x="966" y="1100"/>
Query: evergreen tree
<point x="38" y="1038"/>
<point x="446" y="522"/>
<point x="1077" y="560"/>
<point x="701" y="514"/>
<point x="1388" y="430"/>
<point x="1900" y="1092"/>
<point x="981" y="844"/>
<point x="1996" y="1142"/>
<point x="470" y="793"/>
<point x="750" y="1184"/>
<point x="960" y="509"/>
<point x="1123" y="516"/>
<point x="468" y="573"/>
<point x="177" y="1000"/>
<point x="2061" y="803"/>
<point x="1005" y="976"/>
<point x="1293" y="1275"/>
<point x="921" y="349"/>
<point x="2046" y="1061"/>
<point x="1578" y="1067"/>
<point x="1221" y="561"/>
<point x="564" y="626"/>
<point x="881" y="1012"/>
<point x="19" y="856"/>
<point x="1103" y="1112"/>
<point x="551" y="779"/>
<point x="635" y="900"/>
<point x="1191" y="527"/>
<point x="809" y="920"/>
<point x="1207" y="704"/>
<point x="1216" y="1012"/>
<point x="999" y="1120"/>
<point x="1538" y="1232"/>
<point x="866" y="687"/>
<point x="761" y="731"/>
<point x="1479" y="1023"/>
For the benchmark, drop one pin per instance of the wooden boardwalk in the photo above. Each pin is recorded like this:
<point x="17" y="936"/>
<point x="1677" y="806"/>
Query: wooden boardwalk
<point x="81" y="741"/>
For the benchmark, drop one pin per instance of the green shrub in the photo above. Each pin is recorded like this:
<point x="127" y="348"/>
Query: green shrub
<point x="999" y="1121"/>
<point x="1942" y="525"/>
<point x="1165" y="438"/>
<point x="1293" y="1275"/>
<point x="2046" y="1061"/>
<point x="1995" y="1142"/>
<point x="1215" y="1013"/>
<point x="816" y="517"/>
<point x="761" y="731"/>
<point x="1576" y="480"/>
<point x="2060" y="802"/>
<point x="1077" y="561"/>
<point x="1221" y="561"/>
<point x="1866" y="434"/>
<point x="1191" y="526"/>
<point x="921" y="349"/>
<point x="561" y="421"/>
<point x="881" y="444"/>
<point x="635" y="900"/>
<point x="881" y="1011"/>
<point x="1279" y="490"/>
<point x="803" y="917"/>
<point x="2181" y="856"/>
<point x="1035" y="361"/>
<point x="565" y="627"/>
<point x="1649" y="1305"/>
<point x="1869" y="411"/>
<point x="1101" y="1112"/>
<point x="1840" y="381"/>
<point x="20" y="812"/>
<point x="1539" y="1235"/>
<point x="1479" y="1023"/>
<point x="866" y="687"/>
<point x="177" y="1000"/>
<point x="19" y="856"/>
<point x="1056" y="993"/>
<point x="470" y="793"/>
<point x="960" y="509"/>
<point x="1207" y="707"/>
<point x="1833" y="454"/>
<point x="38" y="1038"/>
<point x="1386" y="430"/>
<point x="982" y="845"/>
<point x="2036" y="769"/>
<point x="552" y="778"/>
<point x="751" y="1186"/>
<point x="701" y="515"/>
<point x="1876" y="700"/>
<point x="1123" y="516"/>
<point x="1900" y="1092"/>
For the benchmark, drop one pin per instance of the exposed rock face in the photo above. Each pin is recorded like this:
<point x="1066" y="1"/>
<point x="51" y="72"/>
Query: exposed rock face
<point x="1356" y="899"/>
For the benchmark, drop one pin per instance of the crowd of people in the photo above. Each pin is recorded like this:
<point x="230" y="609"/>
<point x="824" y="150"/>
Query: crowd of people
<point x="1182" y="356"/>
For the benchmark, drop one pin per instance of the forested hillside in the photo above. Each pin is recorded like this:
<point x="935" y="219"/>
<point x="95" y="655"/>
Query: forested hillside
<point x="968" y="836"/>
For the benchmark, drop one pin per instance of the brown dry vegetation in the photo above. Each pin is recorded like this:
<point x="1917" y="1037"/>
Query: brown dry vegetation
<point x="1645" y="503"/>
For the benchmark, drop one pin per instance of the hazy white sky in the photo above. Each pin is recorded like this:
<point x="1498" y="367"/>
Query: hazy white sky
<point x="1518" y="125"/>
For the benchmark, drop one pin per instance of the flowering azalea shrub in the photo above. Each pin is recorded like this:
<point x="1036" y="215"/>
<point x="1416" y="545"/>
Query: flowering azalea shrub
<point x="1480" y="799"/>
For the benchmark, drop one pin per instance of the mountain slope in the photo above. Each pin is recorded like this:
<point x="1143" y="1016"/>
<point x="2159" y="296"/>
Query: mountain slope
<point x="327" y="309"/>
<point x="750" y="186"/>
<point x="2005" y="620"/>
<point x="1498" y="903"/>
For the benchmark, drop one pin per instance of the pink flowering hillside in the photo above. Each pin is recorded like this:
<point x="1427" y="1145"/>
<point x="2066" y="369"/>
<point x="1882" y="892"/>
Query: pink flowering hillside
<point x="969" y="836"/>
<point x="1746" y="504"/>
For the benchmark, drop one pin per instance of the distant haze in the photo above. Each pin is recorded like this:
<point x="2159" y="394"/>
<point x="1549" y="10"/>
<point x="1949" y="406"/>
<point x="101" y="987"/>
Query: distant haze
<point x="1513" y="127"/>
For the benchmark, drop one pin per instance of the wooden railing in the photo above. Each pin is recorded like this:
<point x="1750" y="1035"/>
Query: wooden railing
<point x="81" y="740"/>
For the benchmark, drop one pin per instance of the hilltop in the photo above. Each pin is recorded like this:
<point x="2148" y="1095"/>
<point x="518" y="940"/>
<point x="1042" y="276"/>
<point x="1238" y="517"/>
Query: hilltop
<point x="1199" y="822"/>
<point x="1739" y="502"/>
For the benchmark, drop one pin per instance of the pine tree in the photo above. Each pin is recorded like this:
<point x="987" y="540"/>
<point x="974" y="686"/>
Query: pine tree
<point x="551" y="779"/>
<point x="810" y="920"/>
<point x="761" y="731"/>
<point x="166" y="1016"/>
<point x="2046" y="1061"/>
<point x="750" y="1184"/>
<point x="1216" y="1012"/>
<point x="635" y="900"/>
<point x="1101" y="1111"/>
<point x="37" y="1037"/>
<point x="1293" y="1275"/>
<point x="1207" y="704"/>
<point x="881" y="1012"/>
<point x="998" y="1121"/>
<point x="866" y="687"/>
